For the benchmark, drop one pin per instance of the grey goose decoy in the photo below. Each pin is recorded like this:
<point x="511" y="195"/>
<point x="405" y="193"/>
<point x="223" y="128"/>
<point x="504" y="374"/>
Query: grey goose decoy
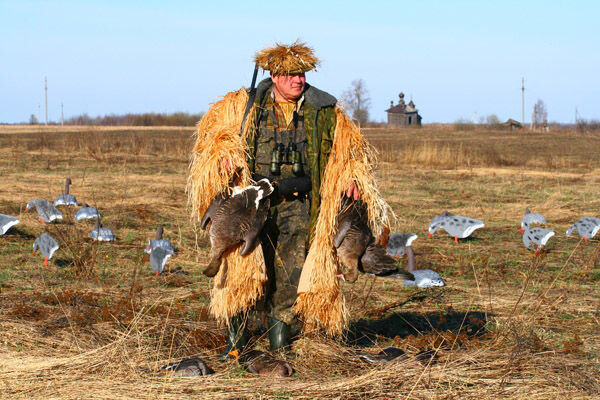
<point x="66" y="199"/>
<point x="586" y="227"/>
<point x="457" y="226"/>
<point x="86" y="212"/>
<point x="355" y="245"/>
<point x="45" y="210"/>
<point x="236" y="219"/>
<point x="47" y="246"/>
<point x="188" y="368"/>
<point x="101" y="234"/>
<point x="536" y="238"/>
<point x="160" y="251"/>
<point x="261" y="363"/>
<point x="531" y="218"/>
<point x="6" y="221"/>
<point x="422" y="278"/>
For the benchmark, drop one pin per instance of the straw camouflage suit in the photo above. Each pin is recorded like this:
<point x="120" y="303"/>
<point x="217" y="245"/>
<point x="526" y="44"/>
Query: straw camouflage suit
<point x="294" y="270"/>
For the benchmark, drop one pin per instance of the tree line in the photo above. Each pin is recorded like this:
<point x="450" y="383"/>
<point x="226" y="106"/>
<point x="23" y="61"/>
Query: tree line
<point x="145" y="119"/>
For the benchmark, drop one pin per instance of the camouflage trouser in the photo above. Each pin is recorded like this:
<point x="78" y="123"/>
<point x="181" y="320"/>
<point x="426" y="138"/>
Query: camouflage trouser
<point x="284" y="241"/>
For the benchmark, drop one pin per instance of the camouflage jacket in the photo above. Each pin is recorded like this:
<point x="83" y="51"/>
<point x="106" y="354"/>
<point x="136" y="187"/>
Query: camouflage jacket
<point x="319" y="124"/>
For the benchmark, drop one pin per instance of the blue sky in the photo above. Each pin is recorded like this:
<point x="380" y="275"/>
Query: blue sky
<point x="452" y="58"/>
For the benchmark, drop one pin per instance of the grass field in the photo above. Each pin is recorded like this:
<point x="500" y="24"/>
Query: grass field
<point x="97" y="323"/>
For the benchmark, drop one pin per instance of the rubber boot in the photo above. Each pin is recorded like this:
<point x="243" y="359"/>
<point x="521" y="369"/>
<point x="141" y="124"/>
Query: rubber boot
<point x="237" y="335"/>
<point x="279" y="334"/>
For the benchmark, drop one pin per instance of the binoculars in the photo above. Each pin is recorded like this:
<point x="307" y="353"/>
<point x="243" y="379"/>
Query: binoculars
<point x="286" y="155"/>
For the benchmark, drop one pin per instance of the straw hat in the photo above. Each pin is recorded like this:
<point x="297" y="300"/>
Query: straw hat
<point x="287" y="59"/>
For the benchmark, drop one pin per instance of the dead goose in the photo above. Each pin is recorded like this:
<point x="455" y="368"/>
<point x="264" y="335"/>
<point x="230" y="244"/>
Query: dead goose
<point x="236" y="219"/>
<point x="47" y="245"/>
<point x="536" y="238"/>
<point x="383" y="357"/>
<point x="66" y="199"/>
<point x="355" y="247"/>
<point x="457" y="226"/>
<point x="45" y="210"/>
<point x="261" y="363"/>
<point x="587" y="228"/>
<point x="160" y="250"/>
<point x="191" y="367"/>
<point x="87" y="212"/>
<point x="101" y="234"/>
<point x="6" y="221"/>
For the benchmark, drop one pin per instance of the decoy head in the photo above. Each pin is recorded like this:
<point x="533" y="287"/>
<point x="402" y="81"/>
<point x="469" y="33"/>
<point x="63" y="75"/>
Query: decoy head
<point x="159" y="232"/>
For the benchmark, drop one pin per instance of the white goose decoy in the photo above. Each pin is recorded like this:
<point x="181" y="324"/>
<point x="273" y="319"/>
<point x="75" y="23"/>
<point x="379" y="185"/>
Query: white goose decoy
<point x="45" y="210"/>
<point x="536" y="238"/>
<point x="47" y="245"/>
<point x="457" y="226"/>
<point x="6" y="221"/>
<point x="424" y="278"/>
<point x="531" y="218"/>
<point x="101" y="234"/>
<point x="86" y="212"/>
<point x="397" y="243"/>
<point x="160" y="250"/>
<point x="587" y="228"/>
<point x="66" y="199"/>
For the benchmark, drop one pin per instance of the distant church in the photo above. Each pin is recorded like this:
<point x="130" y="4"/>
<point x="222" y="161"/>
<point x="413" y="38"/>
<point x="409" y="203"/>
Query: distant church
<point x="402" y="114"/>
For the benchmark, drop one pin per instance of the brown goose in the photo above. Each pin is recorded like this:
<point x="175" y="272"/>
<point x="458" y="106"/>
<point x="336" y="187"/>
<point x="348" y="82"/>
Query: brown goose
<point x="261" y="363"/>
<point x="236" y="219"/>
<point x="356" y="247"/>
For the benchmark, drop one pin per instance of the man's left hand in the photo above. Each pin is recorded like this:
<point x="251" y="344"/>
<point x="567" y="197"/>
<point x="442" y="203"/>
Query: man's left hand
<point x="352" y="191"/>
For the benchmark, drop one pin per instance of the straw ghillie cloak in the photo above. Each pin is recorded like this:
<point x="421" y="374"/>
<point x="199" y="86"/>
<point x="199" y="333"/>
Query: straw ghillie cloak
<point x="342" y="157"/>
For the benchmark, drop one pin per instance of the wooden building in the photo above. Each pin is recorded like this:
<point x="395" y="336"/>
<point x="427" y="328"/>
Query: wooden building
<point x="403" y="115"/>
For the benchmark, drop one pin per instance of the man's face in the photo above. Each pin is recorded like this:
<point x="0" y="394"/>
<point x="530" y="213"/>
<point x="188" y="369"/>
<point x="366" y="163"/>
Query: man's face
<point x="289" y="87"/>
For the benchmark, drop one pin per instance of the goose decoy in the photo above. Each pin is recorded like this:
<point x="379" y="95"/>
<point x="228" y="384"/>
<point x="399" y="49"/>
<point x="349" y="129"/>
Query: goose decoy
<point x="66" y="199"/>
<point x="587" y="228"/>
<point x="531" y="218"/>
<point x="356" y="247"/>
<point x="47" y="245"/>
<point x="160" y="250"/>
<point x="6" y="221"/>
<point x="87" y="212"/>
<point x="261" y="363"/>
<point x="236" y="219"/>
<point x="191" y="367"/>
<point x="397" y="243"/>
<point x="45" y="210"/>
<point x="457" y="226"/>
<point x="384" y="356"/>
<point x="101" y="234"/>
<point x="536" y="238"/>
<point x="423" y="278"/>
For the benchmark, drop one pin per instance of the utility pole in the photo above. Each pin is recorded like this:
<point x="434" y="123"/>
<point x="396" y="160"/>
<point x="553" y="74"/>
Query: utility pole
<point x="62" y="115"/>
<point x="523" y="101"/>
<point x="46" y="96"/>
<point x="39" y="115"/>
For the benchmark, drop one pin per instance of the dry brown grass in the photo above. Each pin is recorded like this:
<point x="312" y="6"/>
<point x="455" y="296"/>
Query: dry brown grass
<point x="509" y="325"/>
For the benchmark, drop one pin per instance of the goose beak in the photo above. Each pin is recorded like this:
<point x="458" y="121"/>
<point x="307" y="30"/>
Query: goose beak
<point x="26" y="209"/>
<point x="521" y="229"/>
<point x="429" y="234"/>
<point x="33" y="252"/>
<point x="156" y="273"/>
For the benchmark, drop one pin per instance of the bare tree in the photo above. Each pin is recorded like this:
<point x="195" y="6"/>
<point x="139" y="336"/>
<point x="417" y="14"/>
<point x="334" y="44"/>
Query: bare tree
<point x="540" y="115"/>
<point x="357" y="100"/>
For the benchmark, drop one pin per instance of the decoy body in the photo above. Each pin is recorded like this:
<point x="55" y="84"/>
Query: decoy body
<point x="536" y="238"/>
<point x="457" y="226"/>
<point x="397" y="243"/>
<point x="530" y="219"/>
<point x="160" y="250"/>
<point x="356" y="247"/>
<point x="47" y="245"/>
<point x="188" y="368"/>
<point x="66" y="199"/>
<point x="236" y="219"/>
<point x="384" y="356"/>
<point x="86" y="212"/>
<point x="45" y="210"/>
<point x="101" y="234"/>
<point x="262" y="363"/>
<point x="587" y="228"/>
<point x="6" y="221"/>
